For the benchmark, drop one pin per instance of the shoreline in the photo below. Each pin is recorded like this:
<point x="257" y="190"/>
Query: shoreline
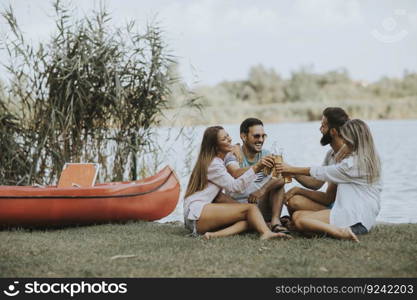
<point x="394" y="109"/>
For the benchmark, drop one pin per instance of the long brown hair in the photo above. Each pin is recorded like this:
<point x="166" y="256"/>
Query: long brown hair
<point x="358" y="135"/>
<point x="208" y="150"/>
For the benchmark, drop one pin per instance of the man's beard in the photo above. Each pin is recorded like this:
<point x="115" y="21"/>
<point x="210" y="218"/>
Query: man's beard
<point x="252" y="149"/>
<point x="326" y="138"/>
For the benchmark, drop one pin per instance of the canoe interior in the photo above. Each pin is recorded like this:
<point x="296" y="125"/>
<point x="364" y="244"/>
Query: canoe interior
<point x="150" y="199"/>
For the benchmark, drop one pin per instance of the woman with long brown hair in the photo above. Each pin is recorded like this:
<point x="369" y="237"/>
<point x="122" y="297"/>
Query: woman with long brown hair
<point x="358" y="179"/>
<point x="208" y="178"/>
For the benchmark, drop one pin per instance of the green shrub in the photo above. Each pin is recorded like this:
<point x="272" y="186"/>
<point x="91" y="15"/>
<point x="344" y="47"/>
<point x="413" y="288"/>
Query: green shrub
<point x="91" y="92"/>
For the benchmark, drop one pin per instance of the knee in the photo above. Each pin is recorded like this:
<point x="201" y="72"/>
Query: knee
<point x="245" y="209"/>
<point x="294" y="203"/>
<point x="297" y="219"/>
<point x="250" y="207"/>
<point x="296" y="215"/>
<point x="278" y="183"/>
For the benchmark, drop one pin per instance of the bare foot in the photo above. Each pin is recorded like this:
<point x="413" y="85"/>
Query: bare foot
<point x="271" y="235"/>
<point x="208" y="235"/>
<point x="347" y="234"/>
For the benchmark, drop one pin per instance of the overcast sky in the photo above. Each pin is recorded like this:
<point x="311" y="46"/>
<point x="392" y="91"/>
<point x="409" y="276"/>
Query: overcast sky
<point x="218" y="40"/>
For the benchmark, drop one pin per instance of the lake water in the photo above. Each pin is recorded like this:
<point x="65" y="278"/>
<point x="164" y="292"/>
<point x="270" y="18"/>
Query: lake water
<point x="396" y="142"/>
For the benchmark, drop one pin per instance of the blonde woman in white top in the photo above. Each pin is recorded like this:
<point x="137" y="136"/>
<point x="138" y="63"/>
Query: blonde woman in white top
<point x="208" y="178"/>
<point x="358" y="179"/>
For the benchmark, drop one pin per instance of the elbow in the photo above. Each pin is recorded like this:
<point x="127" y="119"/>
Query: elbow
<point x="234" y="174"/>
<point x="316" y="187"/>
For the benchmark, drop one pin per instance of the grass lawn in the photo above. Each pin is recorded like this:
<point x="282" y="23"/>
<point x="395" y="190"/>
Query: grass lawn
<point x="146" y="249"/>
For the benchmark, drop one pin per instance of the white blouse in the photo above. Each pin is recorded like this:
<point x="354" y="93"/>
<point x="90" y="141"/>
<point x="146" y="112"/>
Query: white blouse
<point x="218" y="179"/>
<point x="357" y="201"/>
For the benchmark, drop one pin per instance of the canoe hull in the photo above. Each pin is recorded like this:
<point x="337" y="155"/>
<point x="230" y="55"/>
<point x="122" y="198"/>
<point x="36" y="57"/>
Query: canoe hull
<point x="150" y="199"/>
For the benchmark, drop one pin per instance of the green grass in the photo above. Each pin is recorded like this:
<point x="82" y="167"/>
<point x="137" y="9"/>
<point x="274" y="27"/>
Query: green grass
<point x="165" y="250"/>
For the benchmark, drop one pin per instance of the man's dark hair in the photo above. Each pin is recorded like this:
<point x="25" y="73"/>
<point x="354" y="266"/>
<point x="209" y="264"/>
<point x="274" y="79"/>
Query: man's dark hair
<point x="249" y="122"/>
<point x="336" y="117"/>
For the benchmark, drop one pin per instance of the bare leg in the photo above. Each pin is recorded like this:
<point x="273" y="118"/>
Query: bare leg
<point x="276" y="199"/>
<point x="271" y="206"/>
<point x="319" y="222"/>
<point x="238" y="227"/>
<point x="216" y="215"/>
<point x="299" y="202"/>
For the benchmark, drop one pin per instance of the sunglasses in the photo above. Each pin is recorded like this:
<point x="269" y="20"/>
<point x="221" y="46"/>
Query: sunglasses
<point x="257" y="136"/>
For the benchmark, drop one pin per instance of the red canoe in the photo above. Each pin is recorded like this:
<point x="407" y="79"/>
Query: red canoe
<point x="149" y="199"/>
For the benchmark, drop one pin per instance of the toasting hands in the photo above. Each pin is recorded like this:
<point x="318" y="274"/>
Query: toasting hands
<point x="266" y="161"/>
<point x="283" y="168"/>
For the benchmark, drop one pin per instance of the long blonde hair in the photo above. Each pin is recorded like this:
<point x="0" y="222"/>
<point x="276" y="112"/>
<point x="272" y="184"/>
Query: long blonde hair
<point x="208" y="150"/>
<point x="359" y="138"/>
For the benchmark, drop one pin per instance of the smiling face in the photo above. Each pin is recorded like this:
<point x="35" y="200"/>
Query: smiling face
<point x="254" y="139"/>
<point x="224" y="142"/>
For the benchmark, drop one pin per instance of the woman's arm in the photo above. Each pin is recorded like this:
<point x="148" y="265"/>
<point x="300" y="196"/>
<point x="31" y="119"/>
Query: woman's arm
<point x="217" y="174"/>
<point x="343" y="172"/>
<point x="293" y="170"/>
<point x="236" y="171"/>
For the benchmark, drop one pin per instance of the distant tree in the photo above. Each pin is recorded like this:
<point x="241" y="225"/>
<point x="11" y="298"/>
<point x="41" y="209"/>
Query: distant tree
<point x="303" y="85"/>
<point x="340" y="76"/>
<point x="267" y="85"/>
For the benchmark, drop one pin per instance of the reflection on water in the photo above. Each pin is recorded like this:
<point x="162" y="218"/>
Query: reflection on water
<point x="395" y="141"/>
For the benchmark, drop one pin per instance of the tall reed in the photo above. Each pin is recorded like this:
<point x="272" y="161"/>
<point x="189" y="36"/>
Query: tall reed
<point x="91" y="92"/>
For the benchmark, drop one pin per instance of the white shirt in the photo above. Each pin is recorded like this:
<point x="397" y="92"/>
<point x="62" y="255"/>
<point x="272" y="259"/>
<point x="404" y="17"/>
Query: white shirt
<point x="357" y="201"/>
<point x="219" y="179"/>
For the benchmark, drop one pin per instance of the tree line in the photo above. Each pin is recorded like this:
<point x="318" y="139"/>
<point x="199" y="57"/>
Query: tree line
<point x="265" y="86"/>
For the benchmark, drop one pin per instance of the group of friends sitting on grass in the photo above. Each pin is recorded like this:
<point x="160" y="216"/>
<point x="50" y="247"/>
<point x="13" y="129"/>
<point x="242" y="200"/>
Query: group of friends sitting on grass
<point x="232" y="189"/>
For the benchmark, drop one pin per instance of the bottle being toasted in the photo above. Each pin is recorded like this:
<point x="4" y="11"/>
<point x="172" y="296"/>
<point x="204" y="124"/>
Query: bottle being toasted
<point x="280" y="159"/>
<point x="271" y="171"/>
<point x="277" y="160"/>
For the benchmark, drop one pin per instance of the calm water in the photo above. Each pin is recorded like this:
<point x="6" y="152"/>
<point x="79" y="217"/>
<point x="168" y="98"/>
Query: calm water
<point x="396" y="142"/>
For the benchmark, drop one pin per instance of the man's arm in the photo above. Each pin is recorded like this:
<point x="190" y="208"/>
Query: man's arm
<point x="324" y="198"/>
<point x="309" y="182"/>
<point x="319" y="197"/>
<point x="331" y="192"/>
<point x="273" y="183"/>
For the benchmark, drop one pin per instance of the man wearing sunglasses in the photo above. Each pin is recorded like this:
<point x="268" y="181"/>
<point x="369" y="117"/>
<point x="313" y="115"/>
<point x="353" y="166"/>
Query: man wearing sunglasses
<point x="266" y="191"/>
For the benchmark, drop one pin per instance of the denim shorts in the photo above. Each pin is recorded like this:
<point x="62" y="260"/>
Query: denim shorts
<point x="358" y="228"/>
